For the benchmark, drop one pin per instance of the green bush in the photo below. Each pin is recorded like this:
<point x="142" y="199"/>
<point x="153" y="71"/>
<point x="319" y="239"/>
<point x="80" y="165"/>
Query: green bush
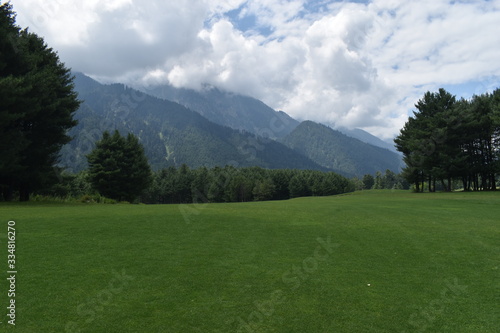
<point x="96" y="198"/>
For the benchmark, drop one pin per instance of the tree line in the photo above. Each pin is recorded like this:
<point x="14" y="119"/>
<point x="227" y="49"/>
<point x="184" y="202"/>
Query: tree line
<point x="118" y="170"/>
<point x="230" y="184"/>
<point x="449" y="140"/>
<point x="382" y="181"/>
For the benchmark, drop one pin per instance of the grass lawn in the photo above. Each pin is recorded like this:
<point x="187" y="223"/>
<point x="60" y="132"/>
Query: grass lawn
<point x="373" y="261"/>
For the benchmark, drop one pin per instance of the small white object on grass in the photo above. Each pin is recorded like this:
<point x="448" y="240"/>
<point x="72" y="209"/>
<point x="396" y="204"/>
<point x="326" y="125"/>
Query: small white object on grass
<point x="368" y="284"/>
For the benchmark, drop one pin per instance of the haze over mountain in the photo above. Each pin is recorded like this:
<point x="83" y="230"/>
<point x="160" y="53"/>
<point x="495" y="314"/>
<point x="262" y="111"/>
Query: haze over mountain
<point x="244" y="112"/>
<point x="173" y="134"/>
<point x="368" y="138"/>
<point x="230" y="109"/>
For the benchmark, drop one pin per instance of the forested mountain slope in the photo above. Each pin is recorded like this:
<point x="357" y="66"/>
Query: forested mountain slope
<point x="232" y="110"/>
<point x="332" y="149"/>
<point x="171" y="133"/>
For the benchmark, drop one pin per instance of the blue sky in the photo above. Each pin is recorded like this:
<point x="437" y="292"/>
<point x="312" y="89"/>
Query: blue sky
<point x="357" y="64"/>
<point x="249" y="22"/>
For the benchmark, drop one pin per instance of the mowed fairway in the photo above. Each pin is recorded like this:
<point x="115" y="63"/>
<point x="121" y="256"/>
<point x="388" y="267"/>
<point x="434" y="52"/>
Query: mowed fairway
<point x="374" y="261"/>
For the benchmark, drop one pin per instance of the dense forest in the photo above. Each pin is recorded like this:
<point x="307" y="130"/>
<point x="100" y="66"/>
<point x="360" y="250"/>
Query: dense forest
<point x="218" y="184"/>
<point x="448" y="140"/>
<point x="230" y="184"/>
<point x="119" y="171"/>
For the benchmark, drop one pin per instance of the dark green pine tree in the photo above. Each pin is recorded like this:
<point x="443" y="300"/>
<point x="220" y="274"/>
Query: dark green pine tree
<point x="281" y="179"/>
<point x="183" y="185"/>
<point x="200" y="184"/>
<point x="264" y="190"/>
<point x="11" y="92"/>
<point x="298" y="185"/>
<point x="118" y="168"/>
<point x="36" y="109"/>
<point x="426" y="141"/>
<point x="368" y="181"/>
<point x="219" y="180"/>
<point x="136" y="167"/>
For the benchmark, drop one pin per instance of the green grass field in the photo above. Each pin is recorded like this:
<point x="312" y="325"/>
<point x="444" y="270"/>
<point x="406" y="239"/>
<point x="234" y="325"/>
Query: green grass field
<point x="374" y="261"/>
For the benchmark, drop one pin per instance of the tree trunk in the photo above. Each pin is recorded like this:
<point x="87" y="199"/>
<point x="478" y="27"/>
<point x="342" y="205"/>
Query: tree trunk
<point x="24" y="194"/>
<point x="8" y="193"/>
<point x="445" y="188"/>
<point x="484" y="180"/>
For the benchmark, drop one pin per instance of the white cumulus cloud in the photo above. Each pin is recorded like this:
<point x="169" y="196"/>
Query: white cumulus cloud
<point x="343" y="63"/>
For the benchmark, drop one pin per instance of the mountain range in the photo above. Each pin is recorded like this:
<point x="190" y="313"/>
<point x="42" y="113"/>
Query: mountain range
<point x="231" y="110"/>
<point x="213" y="128"/>
<point x="247" y="113"/>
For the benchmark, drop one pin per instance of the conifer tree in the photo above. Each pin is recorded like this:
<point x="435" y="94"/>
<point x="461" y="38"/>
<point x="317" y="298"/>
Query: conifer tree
<point x="449" y="140"/>
<point x="36" y="109"/>
<point x="118" y="167"/>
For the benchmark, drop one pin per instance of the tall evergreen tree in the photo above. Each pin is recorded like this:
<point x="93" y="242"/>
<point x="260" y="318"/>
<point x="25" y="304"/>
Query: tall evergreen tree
<point x="281" y="179"/>
<point x="299" y="186"/>
<point x="37" y="108"/>
<point x="425" y="140"/>
<point x="118" y="167"/>
<point x="264" y="190"/>
<point x="449" y="139"/>
<point x="368" y="181"/>
<point x="200" y="184"/>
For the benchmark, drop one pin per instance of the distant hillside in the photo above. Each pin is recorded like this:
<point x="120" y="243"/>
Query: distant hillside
<point x="170" y="133"/>
<point x="232" y="110"/>
<point x="367" y="138"/>
<point x="246" y="113"/>
<point x="335" y="150"/>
